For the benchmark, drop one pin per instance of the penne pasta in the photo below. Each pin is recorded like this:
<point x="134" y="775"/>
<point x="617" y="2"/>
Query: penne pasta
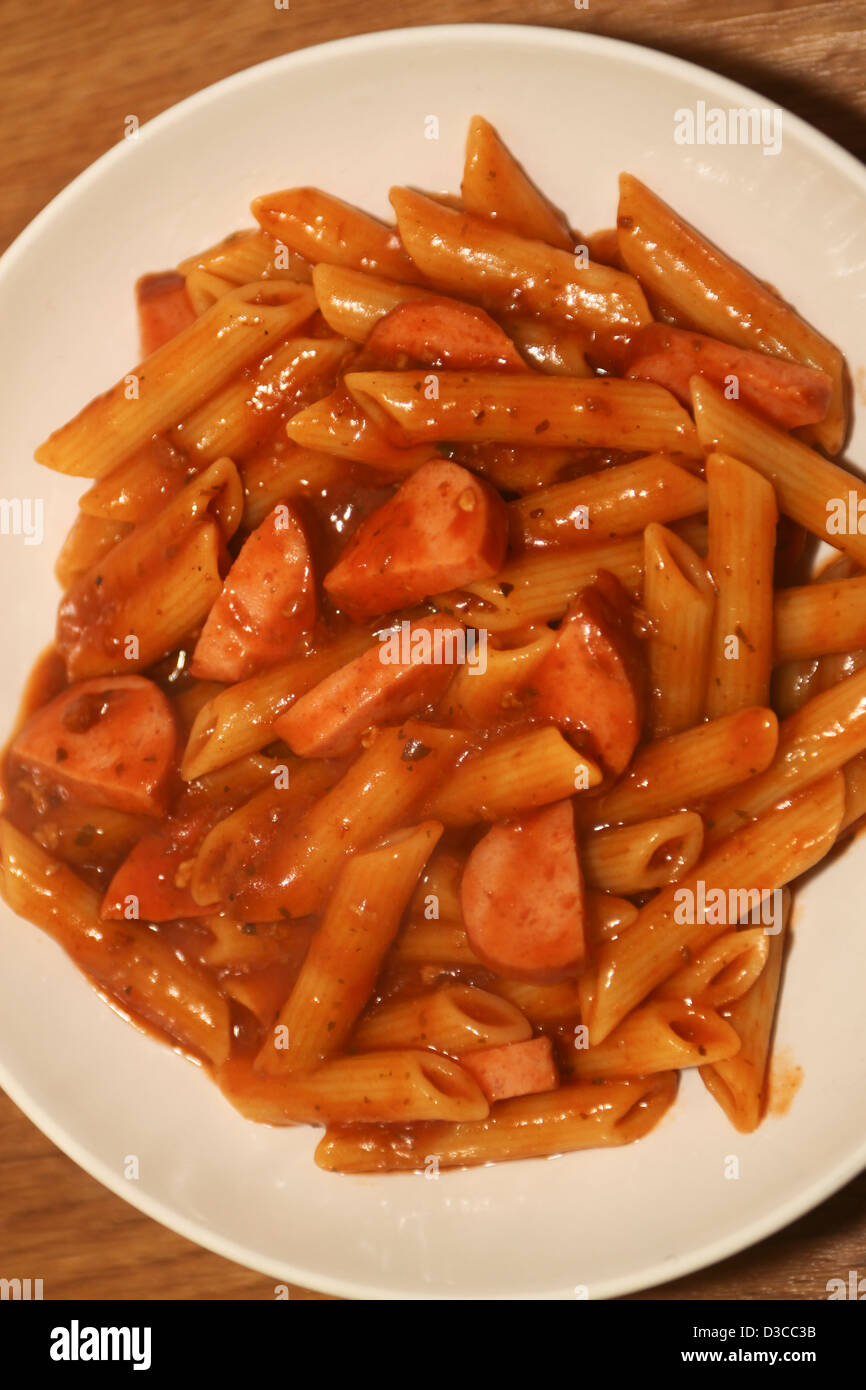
<point x="347" y="952"/>
<point x="817" y="739"/>
<point x="739" y="1083"/>
<point x="602" y="412"/>
<point x="548" y="346"/>
<point x="288" y="871"/>
<point x="239" y="719"/>
<point x="757" y="859"/>
<point x="142" y="623"/>
<point x="352" y="302"/>
<point x="603" y="506"/>
<point x="819" y="619"/>
<point x="112" y="620"/>
<point x="582" y="1116"/>
<point x="800" y="619"/>
<point x="687" y="769"/>
<point x="529" y="770"/>
<point x="474" y="258"/>
<point x="636" y="858"/>
<point x="282" y="799"/>
<point x="438" y="891"/>
<point x="79" y="833"/>
<point x="742" y="522"/>
<point x="322" y="228"/>
<point x="203" y="289"/>
<point x="545" y="1006"/>
<point x="724" y="971"/>
<point x="814" y="492"/>
<point x="855" y="791"/>
<point x="434" y="942"/>
<point x="283" y="474"/>
<point x="247" y="256"/>
<point x="337" y="425"/>
<point x="129" y="962"/>
<point x="495" y="186"/>
<point x="138" y="489"/>
<point x="477" y="698"/>
<point x="608" y="915"/>
<point x="261" y="992"/>
<point x="246" y="411"/>
<point x="273" y="946"/>
<point x="176" y="378"/>
<point x="88" y="540"/>
<point x="538" y="587"/>
<point x="663" y="1035"/>
<point x="454" y="1018"/>
<point x="707" y="290"/>
<point x="678" y="603"/>
<point x="380" y="1087"/>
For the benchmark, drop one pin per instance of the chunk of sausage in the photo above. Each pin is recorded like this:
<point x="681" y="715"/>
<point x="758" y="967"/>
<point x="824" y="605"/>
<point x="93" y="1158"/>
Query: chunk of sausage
<point x="164" y="309"/>
<point x="442" y="333"/>
<point x="514" y="1069"/>
<point x="156" y="873"/>
<point x="111" y="741"/>
<point x="442" y="528"/>
<point x="785" y="392"/>
<point x="592" y="681"/>
<point x="378" y="687"/>
<point x="267" y="603"/>
<point x="522" y="897"/>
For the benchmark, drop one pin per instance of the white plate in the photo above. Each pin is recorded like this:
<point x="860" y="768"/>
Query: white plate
<point x="351" y="117"/>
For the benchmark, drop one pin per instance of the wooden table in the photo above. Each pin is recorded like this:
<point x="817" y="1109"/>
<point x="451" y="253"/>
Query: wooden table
<point x="71" y="74"/>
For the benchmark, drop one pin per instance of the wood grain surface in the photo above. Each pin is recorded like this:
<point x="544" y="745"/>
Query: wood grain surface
<point x="71" y="74"/>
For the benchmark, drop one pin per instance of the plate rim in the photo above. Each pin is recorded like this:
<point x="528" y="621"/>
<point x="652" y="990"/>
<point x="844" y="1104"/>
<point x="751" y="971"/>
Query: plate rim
<point x="283" y="1270"/>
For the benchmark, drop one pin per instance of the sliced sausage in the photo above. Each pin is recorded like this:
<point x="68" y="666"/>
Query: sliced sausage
<point x="592" y="681"/>
<point x="442" y="333"/>
<point x="164" y="309"/>
<point x="378" y="687"/>
<point x="267" y="604"/>
<point x="522" y="897"/>
<point x="513" y="1069"/>
<point x="156" y="874"/>
<point x="785" y="392"/>
<point x="111" y="741"/>
<point x="442" y="528"/>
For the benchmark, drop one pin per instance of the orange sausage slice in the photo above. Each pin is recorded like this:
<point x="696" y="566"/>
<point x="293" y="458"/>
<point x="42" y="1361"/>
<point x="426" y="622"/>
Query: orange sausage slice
<point x="164" y="309"/>
<point x="442" y="528"/>
<point x="374" y="689"/>
<point x="152" y="874"/>
<point x="267" y="603"/>
<point x="522" y="897"/>
<point x="112" y="741"/>
<point x="591" y="683"/>
<point x="514" y="1069"/>
<point x="785" y="392"/>
<point x="442" y="333"/>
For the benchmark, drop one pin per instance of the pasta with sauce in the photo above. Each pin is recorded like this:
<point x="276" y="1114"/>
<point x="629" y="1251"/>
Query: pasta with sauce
<point x="413" y="684"/>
